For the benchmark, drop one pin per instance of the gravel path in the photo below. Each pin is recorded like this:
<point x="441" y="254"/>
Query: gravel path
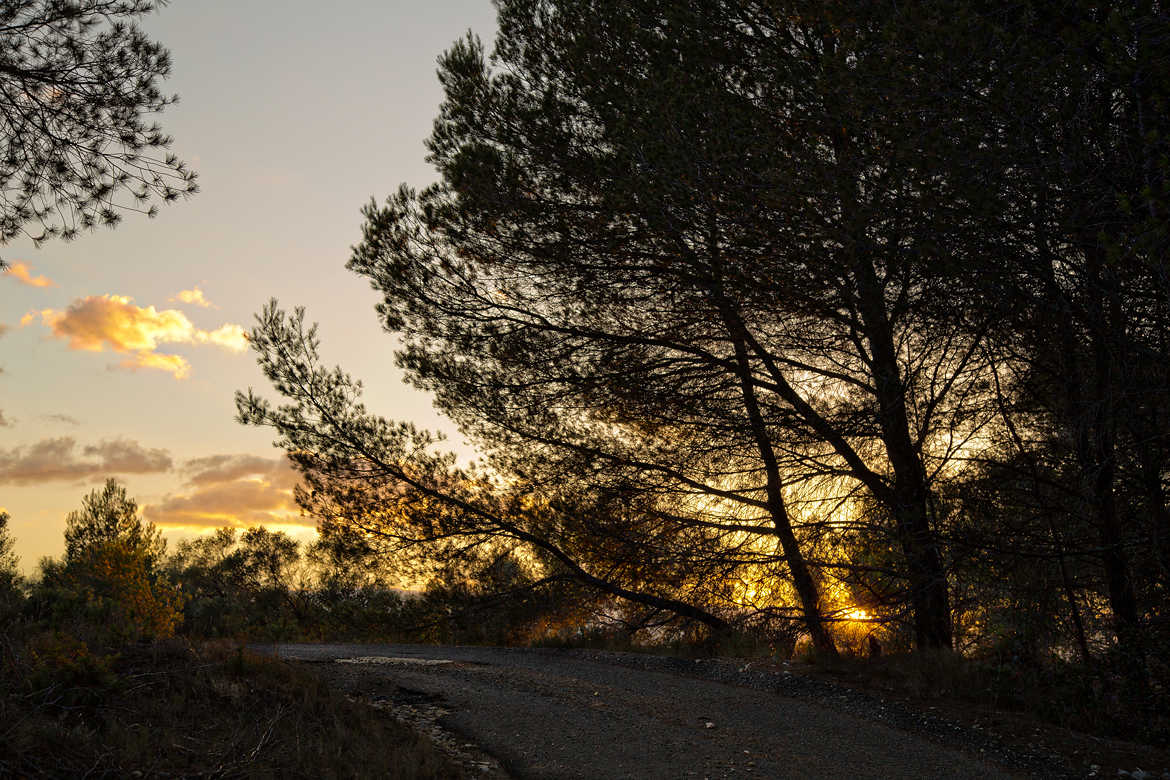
<point x="590" y="714"/>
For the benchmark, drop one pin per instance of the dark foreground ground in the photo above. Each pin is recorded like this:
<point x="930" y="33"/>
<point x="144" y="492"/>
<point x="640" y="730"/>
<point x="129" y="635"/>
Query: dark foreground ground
<point x="168" y="709"/>
<point x="592" y="714"/>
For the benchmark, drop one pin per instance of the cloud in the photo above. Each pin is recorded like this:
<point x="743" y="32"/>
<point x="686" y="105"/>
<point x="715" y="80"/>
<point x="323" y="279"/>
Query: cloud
<point x="124" y="456"/>
<point x="97" y="322"/>
<point x="4" y="328"/>
<point x="229" y="336"/>
<point x="61" y="418"/>
<point x="51" y="460"/>
<point x="194" y="296"/>
<point x="22" y="272"/>
<point x="227" y="468"/>
<point x="176" y="365"/>
<point x="237" y="490"/>
<point x="4" y="421"/>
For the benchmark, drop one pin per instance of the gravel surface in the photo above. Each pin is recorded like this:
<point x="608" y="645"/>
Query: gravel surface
<point x="594" y="714"/>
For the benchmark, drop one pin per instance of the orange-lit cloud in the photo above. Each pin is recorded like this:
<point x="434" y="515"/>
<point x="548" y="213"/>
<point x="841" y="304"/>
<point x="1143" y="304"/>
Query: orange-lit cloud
<point x="194" y="296"/>
<point x="51" y="460"/>
<point x="97" y="322"/>
<point x="4" y="328"/>
<point x="176" y="365"/>
<point x="4" y="421"/>
<point x="229" y="336"/>
<point x="22" y="272"/>
<point x="236" y="490"/>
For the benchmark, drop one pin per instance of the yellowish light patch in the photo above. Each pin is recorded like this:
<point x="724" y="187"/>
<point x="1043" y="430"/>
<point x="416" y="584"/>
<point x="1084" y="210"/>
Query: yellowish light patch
<point x="856" y="613"/>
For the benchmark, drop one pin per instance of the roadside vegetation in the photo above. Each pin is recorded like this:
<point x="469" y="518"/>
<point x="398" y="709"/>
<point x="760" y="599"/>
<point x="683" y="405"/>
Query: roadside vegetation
<point x="100" y="676"/>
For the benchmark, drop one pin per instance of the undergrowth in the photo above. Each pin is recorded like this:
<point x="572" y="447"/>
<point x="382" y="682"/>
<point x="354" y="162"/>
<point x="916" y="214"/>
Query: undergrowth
<point x="1054" y="691"/>
<point x="172" y="709"/>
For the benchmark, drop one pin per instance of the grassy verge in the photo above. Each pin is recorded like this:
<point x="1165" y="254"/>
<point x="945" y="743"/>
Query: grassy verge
<point x="170" y="709"/>
<point x="1062" y="694"/>
<point x="1057" y="709"/>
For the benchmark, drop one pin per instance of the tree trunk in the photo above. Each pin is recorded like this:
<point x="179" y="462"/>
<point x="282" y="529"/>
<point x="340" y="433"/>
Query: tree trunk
<point x="1096" y="444"/>
<point x="802" y="580"/>
<point x="909" y="499"/>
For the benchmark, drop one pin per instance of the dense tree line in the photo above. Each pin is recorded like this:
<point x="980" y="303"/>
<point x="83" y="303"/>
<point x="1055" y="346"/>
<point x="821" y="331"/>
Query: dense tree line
<point x="117" y="584"/>
<point x="263" y="584"/>
<point x="773" y="312"/>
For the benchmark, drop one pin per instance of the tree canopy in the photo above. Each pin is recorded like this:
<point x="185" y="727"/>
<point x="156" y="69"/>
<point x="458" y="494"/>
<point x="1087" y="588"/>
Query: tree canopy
<point x="79" y="82"/>
<point x="786" y="310"/>
<point x="109" y="515"/>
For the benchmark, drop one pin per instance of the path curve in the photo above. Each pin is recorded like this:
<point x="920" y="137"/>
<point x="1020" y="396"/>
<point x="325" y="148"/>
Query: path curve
<point x="546" y="714"/>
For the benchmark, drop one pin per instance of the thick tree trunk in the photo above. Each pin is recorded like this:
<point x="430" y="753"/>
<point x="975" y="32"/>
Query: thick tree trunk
<point x="802" y="580"/>
<point x="1096" y="444"/>
<point x="1151" y="465"/>
<point x="909" y="499"/>
<point x="929" y="596"/>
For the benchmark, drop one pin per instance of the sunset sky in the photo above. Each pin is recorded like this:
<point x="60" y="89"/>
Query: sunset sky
<point x="120" y="351"/>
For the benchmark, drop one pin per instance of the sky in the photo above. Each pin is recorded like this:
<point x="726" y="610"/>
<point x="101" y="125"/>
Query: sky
<point x="120" y="351"/>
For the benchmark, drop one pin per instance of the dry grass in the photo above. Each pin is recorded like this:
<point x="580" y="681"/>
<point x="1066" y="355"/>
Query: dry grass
<point x="170" y="709"/>
<point x="1063" y="694"/>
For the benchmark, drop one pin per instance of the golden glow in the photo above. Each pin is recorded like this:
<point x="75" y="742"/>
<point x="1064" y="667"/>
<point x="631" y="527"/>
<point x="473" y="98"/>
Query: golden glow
<point x="235" y="491"/>
<point x="855" y="614"/>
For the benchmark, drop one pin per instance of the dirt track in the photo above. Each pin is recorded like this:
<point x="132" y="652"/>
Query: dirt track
<point x="546" y="714"/>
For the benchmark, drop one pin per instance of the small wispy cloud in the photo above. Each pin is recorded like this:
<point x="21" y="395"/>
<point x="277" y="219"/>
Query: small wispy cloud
<point x="22" y="272"/>
<point x="4" y="421"/>
<point x="176" y="365"/>
<point x="98" y="322"/>
<point x="57" y="459"/>
<point x="61" y="418"/>
<point x="194" y="296"/>
<point x="4" y="328"/>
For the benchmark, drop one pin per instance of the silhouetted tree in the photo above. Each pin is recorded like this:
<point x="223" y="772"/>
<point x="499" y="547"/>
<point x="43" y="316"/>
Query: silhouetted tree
<point x="238" y="583"/>
<point x="10" y="578"/>
<point x="1083" y="300"/>
<point x="696" y="277"/>
<point x="110" y="515"/>
<point x="111" y="576"/>
<point x="727" y="224"/>
<point x="78" y="81"/>
<point x="384" y="481"/>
